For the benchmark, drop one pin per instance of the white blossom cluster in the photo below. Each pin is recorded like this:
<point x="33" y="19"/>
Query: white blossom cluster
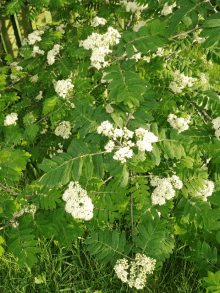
<point x="11" y="119"/>
<point x="37" y="50"/>
<point x="28" y="209"/>
<point x="207" y="190"/>
<point x="52" y="53"/>
<point x="15" y="65"/>
<point x="139" y="268"/>
<point x="167" y="9"/>
<point x="124" y="144"/>
<point x="35" y="37"/>
<point x="39" y="97"/>
<point x="216" y="126"/>
<point x="164" y="189"/>
<point x="138" y="25"/>
<point x="145" y="139"/>
<point x="204" y="81"/>
<point x="96" y="21"/>
<point x="100" y="46"/>
<point x="60" y="28"/>
<point x="35" y="78"/>
<point x="133" y="6"/>
<point x="78" y="203"/>
<point x="62" y="87"/>
<point x="179" y="123"/>
<point x="61" y="148"/>
<point x="181" y="81"/>
<point x="64" y="129"/>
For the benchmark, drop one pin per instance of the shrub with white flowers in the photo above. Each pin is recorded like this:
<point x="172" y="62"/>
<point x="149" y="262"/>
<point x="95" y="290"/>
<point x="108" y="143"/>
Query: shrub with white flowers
<point x="104" y="97"/>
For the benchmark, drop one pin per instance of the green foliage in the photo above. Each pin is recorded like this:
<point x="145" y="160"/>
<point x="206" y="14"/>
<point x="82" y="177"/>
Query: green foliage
<point x="107" y="245"/>
<point x="145" y="75"/>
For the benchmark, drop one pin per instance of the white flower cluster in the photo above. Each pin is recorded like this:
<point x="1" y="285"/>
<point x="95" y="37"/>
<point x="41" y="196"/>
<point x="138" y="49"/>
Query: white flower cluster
<point x="179" y="123"/>
<point x="61" y="148"/>
<point x="28" y="209"/>
<point x="11" y="119"/>
<point x="216" y="126"/>
<point x="139" y="268"/>
<point x="39" y="97"/>
<point x="144" y="140"/>
<point x="181" y="81"/>
<point x="61" y="28"/>
<point x="62" y="87"/>
<point x="78" y="203"/>
<point x="207" y="190"/>
<point x="133" y="6"/>
<point x="167" y="9"/>
<point x="35" y="37"/>
<point x="100" y="46"/>
<point x="37" y="50"/>
<point x="204" y="81"/>
<point x="35" y="78"/>
<point x="64" y="129"/>
<point x="164" y="189"/>
<point x="15" y="65"/>
<point x="138" y="25"/>
<point x="52" y="53"/>
<point x="97" y="21"/>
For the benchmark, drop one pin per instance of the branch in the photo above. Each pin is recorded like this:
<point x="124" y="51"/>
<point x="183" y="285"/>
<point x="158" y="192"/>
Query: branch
<point x="185" y="33"/>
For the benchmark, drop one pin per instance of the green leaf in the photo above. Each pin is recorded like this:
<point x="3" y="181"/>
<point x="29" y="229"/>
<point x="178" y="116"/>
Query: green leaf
<point x="98" y="166"/>
<point x="124" y="176"/>
<point x="77" y="148"/>
<point x="129" y="50"/>
<point x="58" y="170"/>
<point x="118" y="120"/>
<point x="212" y="22"/>
<point x="77" y="169"/>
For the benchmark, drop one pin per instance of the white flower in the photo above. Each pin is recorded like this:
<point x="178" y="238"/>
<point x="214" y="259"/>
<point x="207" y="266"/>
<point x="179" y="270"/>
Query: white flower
<point x="97" y="21"/>
<point x="78" y="203"/>
<point x="167" y="9"/>
<point x="109" y="146"/>
<point x="100" y="46"/>
<point x="64" y="129"/>
<point x="141" y="266"/>
<point x="35" y="78"/>
<point x="178" y="123"/>
<point x="52" y="53"/>
<point x="62" y="87"/>
<point x="207" y="190"/>
<point x="145" y="139"/>
<point x="36" y="50"/>
<point x="138" y="25"/>
<point x="11" y="119"/>
<point x="164" y="189"/>
<point x="39" y="97"/>
<point x="35" y="37"/>
<point x="106" y="128"/>
<point x="122" y="154"/>
<point x="60" y="28"/>
<point x="181" y="81"/>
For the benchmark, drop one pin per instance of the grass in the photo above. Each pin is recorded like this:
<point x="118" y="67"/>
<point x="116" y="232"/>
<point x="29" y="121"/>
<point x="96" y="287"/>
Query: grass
<point x="72" y="270"/>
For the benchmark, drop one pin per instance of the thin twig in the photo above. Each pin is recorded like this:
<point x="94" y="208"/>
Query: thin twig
<point x="185" y="33"/>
